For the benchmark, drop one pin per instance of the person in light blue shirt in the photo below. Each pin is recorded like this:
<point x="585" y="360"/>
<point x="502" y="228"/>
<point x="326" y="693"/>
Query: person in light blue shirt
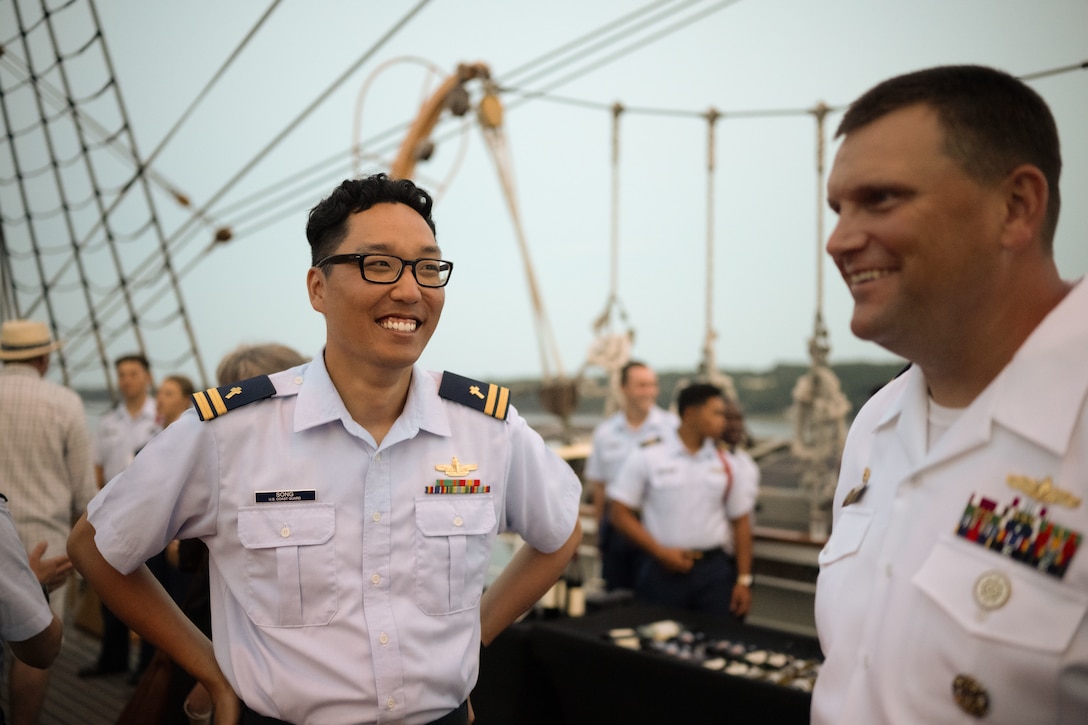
<point x="349" y="505"/>
<point x="680" y="501"/>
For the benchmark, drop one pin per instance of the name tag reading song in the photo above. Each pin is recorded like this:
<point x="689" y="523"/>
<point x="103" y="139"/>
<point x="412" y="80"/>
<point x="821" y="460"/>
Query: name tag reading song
<point x="284" y="496"/>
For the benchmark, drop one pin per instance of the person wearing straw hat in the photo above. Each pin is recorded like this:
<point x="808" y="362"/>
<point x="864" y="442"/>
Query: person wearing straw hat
<point x="45" y="471"/>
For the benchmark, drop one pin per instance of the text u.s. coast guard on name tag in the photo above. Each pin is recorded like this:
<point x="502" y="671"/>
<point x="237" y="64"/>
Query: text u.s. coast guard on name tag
<point x="285" y="496"/>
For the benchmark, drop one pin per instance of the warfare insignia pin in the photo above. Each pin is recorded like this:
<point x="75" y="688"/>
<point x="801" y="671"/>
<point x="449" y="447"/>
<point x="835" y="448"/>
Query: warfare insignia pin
<point x="1043" y="490"/>
<point x="456" y="469"/>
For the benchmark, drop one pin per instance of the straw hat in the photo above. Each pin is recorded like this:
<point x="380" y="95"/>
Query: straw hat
<point x="25" y="339"/>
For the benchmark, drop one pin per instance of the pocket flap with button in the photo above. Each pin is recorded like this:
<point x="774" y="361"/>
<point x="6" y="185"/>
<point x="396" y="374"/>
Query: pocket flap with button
<point x="846" y="536"/>
<point x="275" y="525"/>
<point x="455" y="515"/>
<point x="1038" y="612"/>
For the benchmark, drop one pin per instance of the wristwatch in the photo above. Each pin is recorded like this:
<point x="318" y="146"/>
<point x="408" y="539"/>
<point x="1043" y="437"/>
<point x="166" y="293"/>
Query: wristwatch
<point x="745" y="580"/>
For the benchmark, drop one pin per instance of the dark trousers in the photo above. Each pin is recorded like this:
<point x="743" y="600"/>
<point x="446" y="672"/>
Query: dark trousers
<point x="621" y="561"/>
<point x="113" y="655"/>
<point x="707" y="587"/>
<point x="457" y="717"/>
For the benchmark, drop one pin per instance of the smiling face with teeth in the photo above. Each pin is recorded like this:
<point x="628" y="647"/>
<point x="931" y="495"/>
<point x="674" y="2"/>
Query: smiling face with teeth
<point x="377" y="328"/>
<point x="918" y="240"/>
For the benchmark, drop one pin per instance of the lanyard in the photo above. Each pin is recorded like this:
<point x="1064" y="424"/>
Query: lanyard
<point x="728" y="473"/>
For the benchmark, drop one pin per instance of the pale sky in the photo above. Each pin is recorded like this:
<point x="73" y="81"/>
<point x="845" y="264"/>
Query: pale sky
<point x="743" y="58"/>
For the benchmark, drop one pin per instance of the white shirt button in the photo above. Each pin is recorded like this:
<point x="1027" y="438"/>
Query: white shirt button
<point x="888" y="570"/>
<point x="376" y="579"/>
<point x="376" y="517"/>
<point x="457" y="521"/>
<point x="391" y="703"/>
<point x="285" y="531"/>
<point x="298" y="380"/>
<point x="383" y="638"/>
<point x="377" y="456"/>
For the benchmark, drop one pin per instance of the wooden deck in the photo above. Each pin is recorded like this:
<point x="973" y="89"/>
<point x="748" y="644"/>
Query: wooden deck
<point x="71" y="700"/>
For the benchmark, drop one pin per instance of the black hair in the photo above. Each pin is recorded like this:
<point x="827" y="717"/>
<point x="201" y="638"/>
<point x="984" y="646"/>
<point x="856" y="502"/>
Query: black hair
<point x="328" y="221"/>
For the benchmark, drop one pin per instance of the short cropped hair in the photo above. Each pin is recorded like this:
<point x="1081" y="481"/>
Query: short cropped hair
<point x="328" y="222"/>
<point x="133" y="357"/>
<point x="628" y="367"/>
<point x="695" y="395"/>
<point x="249" y="361"/>
<point x="992" y="121"/>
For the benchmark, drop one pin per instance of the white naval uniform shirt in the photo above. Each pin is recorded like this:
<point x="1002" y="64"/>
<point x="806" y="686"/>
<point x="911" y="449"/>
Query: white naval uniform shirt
<point x="120" y="436"/>
<point x="614" y="439"/>
<point x="361" y="605"/>
<point x="680" y="494"/>
<point x="746" y="479"/>
<point x="904" y="605"/>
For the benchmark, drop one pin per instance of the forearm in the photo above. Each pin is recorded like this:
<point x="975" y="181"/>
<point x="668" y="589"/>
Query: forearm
<point x="522" y="583"/>
<point x="627" y="523"/>
<point x="140" y="601"/>
<point x="742" y="543"/>
<point x="41" y="649"/>
<point x="597" y="487"/>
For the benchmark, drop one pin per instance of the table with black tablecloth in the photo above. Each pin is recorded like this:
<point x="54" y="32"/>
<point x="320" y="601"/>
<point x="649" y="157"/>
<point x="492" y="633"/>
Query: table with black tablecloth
<point x="570" y="671"/>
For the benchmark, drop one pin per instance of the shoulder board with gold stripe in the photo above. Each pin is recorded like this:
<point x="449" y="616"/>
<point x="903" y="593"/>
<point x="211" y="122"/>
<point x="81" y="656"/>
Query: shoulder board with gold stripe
<point x="493" y="400"/>
<point x="214" y="402"/>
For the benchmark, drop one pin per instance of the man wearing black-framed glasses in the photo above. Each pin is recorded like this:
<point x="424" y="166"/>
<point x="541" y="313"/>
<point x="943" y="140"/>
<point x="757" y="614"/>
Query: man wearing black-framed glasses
<point x="349" y="515"/>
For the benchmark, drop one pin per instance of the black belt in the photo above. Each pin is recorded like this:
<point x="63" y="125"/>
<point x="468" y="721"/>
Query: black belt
<point x="457" y="717"/>
<point x="701" y="554"/>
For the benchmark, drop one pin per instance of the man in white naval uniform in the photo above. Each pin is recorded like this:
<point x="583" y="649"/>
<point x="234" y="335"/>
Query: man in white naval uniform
<point x="640" y="422"/>
<point x="348" y="505"/>
<point x="953" y="587"/>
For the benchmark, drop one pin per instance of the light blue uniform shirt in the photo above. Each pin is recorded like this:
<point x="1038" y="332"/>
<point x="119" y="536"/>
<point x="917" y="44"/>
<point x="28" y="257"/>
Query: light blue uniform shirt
<point x="614" y="439"/>
<point x="361" y="605"/>
<point x="682" y="495"/>
<point x="120" y="436"/>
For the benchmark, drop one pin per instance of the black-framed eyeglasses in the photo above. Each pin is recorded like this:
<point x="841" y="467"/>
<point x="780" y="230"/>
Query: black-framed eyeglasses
<point x="386" y="268"/>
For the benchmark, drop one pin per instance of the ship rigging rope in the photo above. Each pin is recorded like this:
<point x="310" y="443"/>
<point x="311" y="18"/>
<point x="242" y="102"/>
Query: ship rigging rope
<point x="549" y="348"/>
<point x="712" y="117"/>
<point x="177" y="238"/>
<point x="321" y="171"/>
<point x="605" y="320"/>
<point x="211" y="83"/>
<point x="279" y="212"/>
<point x="393" y="132"/>
<point x="149" y="266"/>
<point x="820" y="112"/>
<point x="584" y="46"/>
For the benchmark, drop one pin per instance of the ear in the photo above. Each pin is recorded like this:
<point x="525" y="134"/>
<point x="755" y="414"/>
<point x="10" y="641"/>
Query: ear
<point x="1026" y="193"/>
<point x="316" y="284"/>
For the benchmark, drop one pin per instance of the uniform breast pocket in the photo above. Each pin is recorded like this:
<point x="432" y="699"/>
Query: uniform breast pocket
<point x="290" y="577"/>
<point x="1001" y="601"/>
<point x="453" y="550"/>
<point x="847" y="535"/>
